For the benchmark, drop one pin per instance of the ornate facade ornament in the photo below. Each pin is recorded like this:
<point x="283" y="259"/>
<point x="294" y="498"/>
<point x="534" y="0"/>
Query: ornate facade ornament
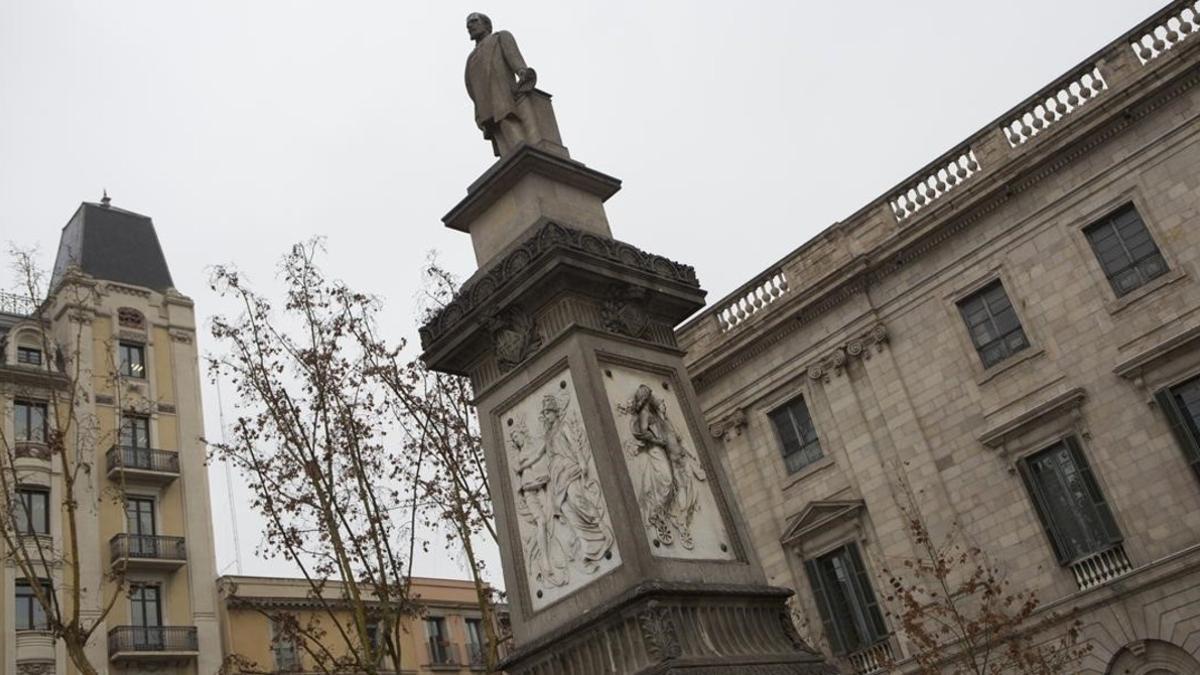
<point x="514" y="336"/>
<point x="551" y="237"/>
<point x="181" y="336"/>
<point x="36" y="668"/>
<point x="32" y="451"/>
<point x="858" y="347"/>
<point x="624" y="311"/>
<point x="734" y="421"/>
<point x="659" y="632"/>
<point x="128" y="317"/>
<point x="789" y="630"/>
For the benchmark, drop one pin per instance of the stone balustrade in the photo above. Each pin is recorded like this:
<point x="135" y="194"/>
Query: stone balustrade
<point x="762" y="292"/>
<point x="1101" y="567"/>
<point x="872" y="660"/>
<point x="939" y="181"/>
<point x="1056" y="104"/>
<point x="11" y="303"/>
<point x="1161" y="37"/>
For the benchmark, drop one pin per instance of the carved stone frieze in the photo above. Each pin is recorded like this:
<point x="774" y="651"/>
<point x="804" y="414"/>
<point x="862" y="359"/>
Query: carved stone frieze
<point x="515" y="336"/>
<point x="182" y="336"/>
<point x="35" y="668"/>
<point x="624" y="311"/>
<point x="478" y="292"/>
<point x="858" y="347"/>
<point x="32" y="450"/>
<point x="659" y="633"/>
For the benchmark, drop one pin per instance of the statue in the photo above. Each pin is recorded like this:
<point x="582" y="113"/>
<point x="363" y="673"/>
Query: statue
<point x="502" y="88"/>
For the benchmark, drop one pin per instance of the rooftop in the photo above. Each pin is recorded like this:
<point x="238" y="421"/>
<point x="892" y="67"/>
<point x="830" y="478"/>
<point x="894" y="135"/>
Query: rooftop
<point x="112" y="244"/>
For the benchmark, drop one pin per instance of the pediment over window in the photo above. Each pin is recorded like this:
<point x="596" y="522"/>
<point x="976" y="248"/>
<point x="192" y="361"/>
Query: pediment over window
<point x="820" y="516"/>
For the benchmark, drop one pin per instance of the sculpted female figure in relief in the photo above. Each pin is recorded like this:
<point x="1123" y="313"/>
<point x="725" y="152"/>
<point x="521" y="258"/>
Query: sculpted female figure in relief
<point x="664" y="469"/>
<point x="559" y="496"/>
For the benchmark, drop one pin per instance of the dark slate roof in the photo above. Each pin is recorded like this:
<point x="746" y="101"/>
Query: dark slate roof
<point x="114" y="245"/>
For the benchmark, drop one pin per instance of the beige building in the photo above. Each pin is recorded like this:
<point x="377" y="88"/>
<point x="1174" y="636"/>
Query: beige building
<point x="144" y="516"/>
<point x="448" y="637"/>
<point x="1013" y="332"/>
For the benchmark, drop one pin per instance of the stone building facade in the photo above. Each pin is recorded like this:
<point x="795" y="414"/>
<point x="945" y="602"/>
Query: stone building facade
<point x="448" y="637"/>
<point x="1011" y="335"/>
<point x="117" y="338"/>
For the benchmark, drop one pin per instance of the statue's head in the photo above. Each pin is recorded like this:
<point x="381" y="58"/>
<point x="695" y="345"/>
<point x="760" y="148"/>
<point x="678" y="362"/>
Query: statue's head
<point x="642" y="397"/>
<point x="479" y="26"/>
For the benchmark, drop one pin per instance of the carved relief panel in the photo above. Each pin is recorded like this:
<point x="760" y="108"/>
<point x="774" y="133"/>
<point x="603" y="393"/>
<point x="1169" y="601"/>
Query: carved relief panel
<point x="562" y="517"/>
<point x="672" y="485"/>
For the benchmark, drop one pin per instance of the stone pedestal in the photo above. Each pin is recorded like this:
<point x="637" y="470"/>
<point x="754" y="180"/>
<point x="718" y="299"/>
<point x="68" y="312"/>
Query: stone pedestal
<point x="622" y="551"/>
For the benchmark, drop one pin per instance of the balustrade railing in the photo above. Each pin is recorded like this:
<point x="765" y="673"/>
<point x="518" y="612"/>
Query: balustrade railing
<point x="872" y="660"/>
<point x="1056" y="104"/>
<point x="12" y="303"/>
<point x="768" y="289"/>
<point x="939" y="181"/>
<point x="142" y="459"/>
<point x="148" y="547"/>
<point x="1101" y="567"/>
<point x="1175" y="29"/>
<point x="149" y="639"/>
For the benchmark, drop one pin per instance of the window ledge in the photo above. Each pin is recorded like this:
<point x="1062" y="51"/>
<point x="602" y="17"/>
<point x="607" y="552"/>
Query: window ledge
<point x="807" y="471"/>
<point x="1117" y="305"/>
<point x="1027" y="354"/>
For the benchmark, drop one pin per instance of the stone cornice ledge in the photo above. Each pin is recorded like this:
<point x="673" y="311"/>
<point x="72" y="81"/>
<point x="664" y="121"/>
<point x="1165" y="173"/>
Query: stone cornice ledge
<point x="995" y="436"/>
<point x="1131" y="368"/>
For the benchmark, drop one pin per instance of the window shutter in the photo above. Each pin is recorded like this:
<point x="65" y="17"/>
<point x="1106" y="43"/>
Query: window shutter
<point x="1184" y="433"/>
<point x="1112" y="532"/>
<point x="866" y="596"/>
<point x="1039" y="505"/>
<point x="822" y="597"/>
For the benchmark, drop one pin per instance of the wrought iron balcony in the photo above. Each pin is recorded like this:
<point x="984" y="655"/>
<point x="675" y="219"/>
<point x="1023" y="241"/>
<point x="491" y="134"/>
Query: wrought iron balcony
<point x="132" y="643"/>
<point x="147" y="550"/>
<point x="142" y="465"/>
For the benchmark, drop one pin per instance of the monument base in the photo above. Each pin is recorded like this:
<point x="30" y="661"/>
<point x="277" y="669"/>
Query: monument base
<point x="676" y="628"/>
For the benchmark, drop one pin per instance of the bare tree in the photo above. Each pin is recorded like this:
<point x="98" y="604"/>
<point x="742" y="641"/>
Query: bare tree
<point x="310" y="439"/>
<point x="963" y="616"/>
<point x="60" y="426"/>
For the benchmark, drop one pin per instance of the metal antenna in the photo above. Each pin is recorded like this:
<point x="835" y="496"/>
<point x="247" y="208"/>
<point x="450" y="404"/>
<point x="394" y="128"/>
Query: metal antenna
<point x="237" y="541"/>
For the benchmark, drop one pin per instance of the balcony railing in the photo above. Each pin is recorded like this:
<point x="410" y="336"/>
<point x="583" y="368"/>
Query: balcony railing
<point x="142" y="462"/>
<point x="148" y="547"/>
<point x="1100" y="568"/>
<point x="132" y="641"/>
<point x="872" y="660"/>
<point x="442" y="654"/>
<point x="475" y="656"/>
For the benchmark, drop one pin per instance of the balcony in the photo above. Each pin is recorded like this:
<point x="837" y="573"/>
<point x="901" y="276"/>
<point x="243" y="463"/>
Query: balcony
<point x="873" y="660"/>
<point x="35" y="648"/>
<point x="142" y="465"/>
<point x="147" y="551"/>
<point x="443" y="655"/>
<point x="1100" y="568"/>
<point x="144" y="644"/>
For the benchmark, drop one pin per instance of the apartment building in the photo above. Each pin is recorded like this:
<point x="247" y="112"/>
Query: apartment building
<point x="108" y="363"/>
<point x="1011" y="334"/>
<point x="447" y="637"/>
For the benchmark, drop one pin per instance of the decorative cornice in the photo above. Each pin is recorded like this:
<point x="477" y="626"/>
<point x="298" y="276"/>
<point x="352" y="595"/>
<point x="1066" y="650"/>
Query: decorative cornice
<point x="488" y="285"/>
<point x="817" y="516"/>
<point x="1132" y="367"/>
<point x="996" y="435"/>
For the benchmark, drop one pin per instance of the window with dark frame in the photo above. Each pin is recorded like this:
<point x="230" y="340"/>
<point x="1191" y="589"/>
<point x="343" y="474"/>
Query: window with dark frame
<point x="845" y="600"/>
<point x="29" y="421"/>
<point x="33" y="510"/>
<point x="993" y="324"/>
<point x="135" y="431"/>
<point x="29" y="356"/>
<point x="439" y="642"/>
<point x="142" y="527"/>
<point x="797" y="435"/>
<point x="475" y="640"/>
<point x="1181" y="405"/>
<point x="30" y="614"/>
<point x="132" y="359"/>
<point x="1125" y="249"/>
<point x="145" y="613"/>
<point x="1069" y="503"/>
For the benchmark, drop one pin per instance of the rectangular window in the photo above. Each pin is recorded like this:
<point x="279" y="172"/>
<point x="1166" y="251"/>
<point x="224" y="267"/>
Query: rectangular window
<point x="135" y="432"/>
<point x="33" y="510"/>
<point x="1181" y="405"/>
<point x="29" y="423"/>
<point x="849" y="612"/>
<point x="133" y="359"/>
<point x="1069" y="502"/>
<point x="145" y="613"/>
<point x="1125" y="249"/>
<point x="439" y="640"/>
<point x="287" y="657"/>
<point x="993" y="324"/>
<point x="31" y="615"/>
<point x="142" y="527"/>
<point x="475" y="641"/>
<point x="29" y="356"/>
<point x="797" y="436"/>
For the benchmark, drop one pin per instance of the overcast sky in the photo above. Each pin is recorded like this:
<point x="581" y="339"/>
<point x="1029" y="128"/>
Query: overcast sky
<point x="740" y="129"/>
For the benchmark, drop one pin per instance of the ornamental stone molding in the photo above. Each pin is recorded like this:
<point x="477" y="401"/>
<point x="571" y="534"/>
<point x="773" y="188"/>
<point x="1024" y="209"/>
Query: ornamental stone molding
<point x="36" y="668"/>
<point x="859" y="347"/>
<point x="515" y="336"/>
<point x="732" y="422"/>
<point x="624" y="311"/>
<point x="659" y="632"/>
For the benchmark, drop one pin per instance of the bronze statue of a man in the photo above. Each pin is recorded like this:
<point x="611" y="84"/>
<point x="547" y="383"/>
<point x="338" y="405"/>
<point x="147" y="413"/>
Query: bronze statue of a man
<point x="497" y="79"/>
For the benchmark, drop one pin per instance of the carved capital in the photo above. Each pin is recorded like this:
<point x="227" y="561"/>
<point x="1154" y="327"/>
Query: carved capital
<point x="858" y="347"/>
<point x="734" y="422"/>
